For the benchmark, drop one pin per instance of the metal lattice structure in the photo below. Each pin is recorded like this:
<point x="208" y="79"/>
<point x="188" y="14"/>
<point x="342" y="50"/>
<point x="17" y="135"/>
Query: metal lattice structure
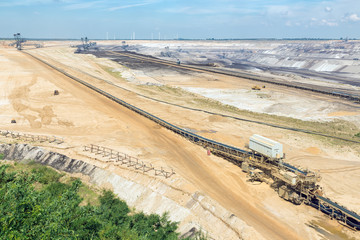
<point x="85" y="45"/>
<point x="31" y="137"/>
<point x="18" y="41"/>
<point x="119" y="158"/>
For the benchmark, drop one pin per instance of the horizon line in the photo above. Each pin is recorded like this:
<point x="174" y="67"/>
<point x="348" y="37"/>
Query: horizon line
<point x="180" y="39"/>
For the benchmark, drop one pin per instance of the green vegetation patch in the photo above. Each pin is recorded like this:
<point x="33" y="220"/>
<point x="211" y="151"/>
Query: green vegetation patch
<point x="44" y="174"/>
<point x="54" y="210"/>
<point x="169" y="92"/>
<point x="1" y="156"/>
<point x="112" y="72"/>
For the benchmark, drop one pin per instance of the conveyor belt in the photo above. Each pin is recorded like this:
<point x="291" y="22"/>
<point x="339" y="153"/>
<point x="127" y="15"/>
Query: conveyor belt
<point x="293" y="168"/>
<point x="340" y="208"/>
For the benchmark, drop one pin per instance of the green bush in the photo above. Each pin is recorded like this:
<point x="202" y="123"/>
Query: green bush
<point x="1" y="156"/>
<point x="357" y="135"/>
<point x="46" y="175"/>
<point x="54" y="211"/>
<point x="57" y="188"/>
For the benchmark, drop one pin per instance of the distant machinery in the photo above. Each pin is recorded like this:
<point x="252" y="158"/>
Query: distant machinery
<point x="124" y="45"/>
<point x="86" y="45"/>
<point x="256" y="87"/>
<point x="167" y="53"/>
<point x="18" y="41"/>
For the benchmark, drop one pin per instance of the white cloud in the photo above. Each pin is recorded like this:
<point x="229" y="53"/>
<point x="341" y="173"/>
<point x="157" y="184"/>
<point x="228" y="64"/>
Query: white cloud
<point x="132" y="5"/>
<point x="350" y="17"/>
<point x="329" y="23"/>
<point x="207" y="10"/>
<point x="13" y="3"/>
<point x="324" y="22"/>
<point x="328" y="9"/>
<point x="127" y="6"/>
<point x="192" y="10"/>
<point x="354" y="17"/>
<point x="283" y="11"/>
<point x="84" y="5"/>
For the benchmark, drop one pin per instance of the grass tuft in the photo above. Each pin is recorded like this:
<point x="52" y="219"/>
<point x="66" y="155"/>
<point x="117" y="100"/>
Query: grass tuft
<point x="111" y="71"/>
<point x="46" y="174"/>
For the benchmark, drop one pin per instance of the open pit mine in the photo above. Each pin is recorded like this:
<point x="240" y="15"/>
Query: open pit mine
<point x="239" y="139"/>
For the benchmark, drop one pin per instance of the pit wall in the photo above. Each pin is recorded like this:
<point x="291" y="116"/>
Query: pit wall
<point x="194" y="211"/>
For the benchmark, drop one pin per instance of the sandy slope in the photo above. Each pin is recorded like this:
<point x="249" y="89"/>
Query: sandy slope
<point x="85" y="117"/>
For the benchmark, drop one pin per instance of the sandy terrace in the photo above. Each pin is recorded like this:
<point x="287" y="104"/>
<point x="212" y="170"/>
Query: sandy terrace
<point x="84" y="117"/>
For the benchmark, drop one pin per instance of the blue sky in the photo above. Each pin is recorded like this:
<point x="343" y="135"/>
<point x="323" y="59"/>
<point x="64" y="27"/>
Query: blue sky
<point x="180" y="18"/>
